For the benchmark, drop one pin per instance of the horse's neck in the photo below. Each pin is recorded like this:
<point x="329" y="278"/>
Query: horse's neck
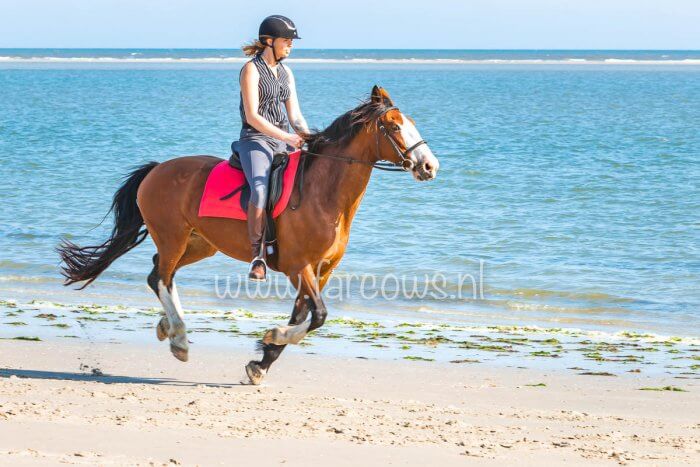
<point x="338" y="187"/>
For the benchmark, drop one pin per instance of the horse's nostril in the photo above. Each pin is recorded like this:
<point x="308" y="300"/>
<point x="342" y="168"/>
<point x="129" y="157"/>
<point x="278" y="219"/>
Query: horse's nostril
<point x="427" y="167"/>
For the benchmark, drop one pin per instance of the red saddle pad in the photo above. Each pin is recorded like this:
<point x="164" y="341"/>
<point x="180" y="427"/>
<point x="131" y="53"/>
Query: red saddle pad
<point x="223" y="179"/>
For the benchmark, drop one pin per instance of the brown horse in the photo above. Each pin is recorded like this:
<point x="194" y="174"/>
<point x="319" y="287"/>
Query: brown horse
<point x="311" y="239"/>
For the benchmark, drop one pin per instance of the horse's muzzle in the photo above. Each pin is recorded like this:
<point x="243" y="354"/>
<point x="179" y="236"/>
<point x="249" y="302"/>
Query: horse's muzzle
<point x="426" y="170"/>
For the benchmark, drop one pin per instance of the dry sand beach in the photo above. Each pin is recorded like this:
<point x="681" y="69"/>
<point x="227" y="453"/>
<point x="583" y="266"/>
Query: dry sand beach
<point x="112" y="399"/>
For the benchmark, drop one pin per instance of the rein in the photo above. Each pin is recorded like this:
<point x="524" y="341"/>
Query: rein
<point x="404" y="165"/>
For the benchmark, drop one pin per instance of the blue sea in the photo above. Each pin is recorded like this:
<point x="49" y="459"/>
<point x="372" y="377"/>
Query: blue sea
<point x="568" y="193"/>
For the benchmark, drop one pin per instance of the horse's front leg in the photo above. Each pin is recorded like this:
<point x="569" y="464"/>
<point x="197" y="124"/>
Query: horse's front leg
<point x="257" y="370"/>
<point x="275" y="340"/>
<point x="310" y="292"/>
<point x="297" y="328"/>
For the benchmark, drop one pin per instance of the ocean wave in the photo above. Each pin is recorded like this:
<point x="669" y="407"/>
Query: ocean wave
<point x="543" y="294"/>
<point x="33" y="279"/>
<point x="379" y="61"/>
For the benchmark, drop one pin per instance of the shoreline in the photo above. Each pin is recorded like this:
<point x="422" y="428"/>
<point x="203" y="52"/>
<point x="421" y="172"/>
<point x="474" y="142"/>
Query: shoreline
<point x="383" y="338"/>
<point x="592" y="312"/>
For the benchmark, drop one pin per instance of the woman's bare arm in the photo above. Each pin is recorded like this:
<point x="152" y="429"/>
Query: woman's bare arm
<point x="249" y="92"/>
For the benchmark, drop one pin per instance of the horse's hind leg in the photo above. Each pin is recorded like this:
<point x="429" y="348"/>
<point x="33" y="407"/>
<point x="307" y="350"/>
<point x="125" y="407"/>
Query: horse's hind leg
<point x="171" y="248"/>
<point x="163" y="327"/>
<point x="197" y="249"/>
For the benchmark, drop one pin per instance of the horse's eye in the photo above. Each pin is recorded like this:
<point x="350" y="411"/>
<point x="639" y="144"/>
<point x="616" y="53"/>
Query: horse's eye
<point x="395" y="128"/>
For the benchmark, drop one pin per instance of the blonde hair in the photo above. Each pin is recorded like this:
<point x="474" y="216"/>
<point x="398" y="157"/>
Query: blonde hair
<point x="254" y="47"/>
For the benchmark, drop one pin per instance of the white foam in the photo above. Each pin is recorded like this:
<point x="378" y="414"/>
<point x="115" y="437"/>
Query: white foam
<point x="382" y="61"/>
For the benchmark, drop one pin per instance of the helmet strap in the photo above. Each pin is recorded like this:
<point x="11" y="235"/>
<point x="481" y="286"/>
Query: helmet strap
<point x="274" y="54"/>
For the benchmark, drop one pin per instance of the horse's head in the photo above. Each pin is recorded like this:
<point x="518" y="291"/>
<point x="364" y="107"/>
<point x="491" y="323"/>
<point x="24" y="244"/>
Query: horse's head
<point x="400" y="142"/>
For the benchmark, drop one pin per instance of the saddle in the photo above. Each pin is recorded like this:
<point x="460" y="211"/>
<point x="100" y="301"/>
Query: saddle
<point x="279" y="163"/>
<point x="226" y="191"/>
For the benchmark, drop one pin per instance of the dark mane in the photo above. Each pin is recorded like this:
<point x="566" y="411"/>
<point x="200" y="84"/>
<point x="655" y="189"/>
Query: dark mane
<point x="345" y="128"/>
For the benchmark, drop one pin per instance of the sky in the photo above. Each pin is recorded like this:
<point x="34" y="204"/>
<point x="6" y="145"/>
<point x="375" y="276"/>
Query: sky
<point x="356" y="24"/>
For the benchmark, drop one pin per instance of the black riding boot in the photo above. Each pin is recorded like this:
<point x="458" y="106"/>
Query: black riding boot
<point x="256" y="230"/>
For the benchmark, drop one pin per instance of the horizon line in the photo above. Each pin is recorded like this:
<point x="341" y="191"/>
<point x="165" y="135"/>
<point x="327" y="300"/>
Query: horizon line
<point x="362" y="48"/>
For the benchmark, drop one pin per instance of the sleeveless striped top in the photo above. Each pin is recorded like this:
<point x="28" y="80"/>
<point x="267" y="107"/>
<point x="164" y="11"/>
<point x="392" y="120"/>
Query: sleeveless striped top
<point x="273" y="91"/>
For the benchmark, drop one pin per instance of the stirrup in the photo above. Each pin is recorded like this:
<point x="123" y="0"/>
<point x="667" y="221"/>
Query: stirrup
<point x="253" y="278"/>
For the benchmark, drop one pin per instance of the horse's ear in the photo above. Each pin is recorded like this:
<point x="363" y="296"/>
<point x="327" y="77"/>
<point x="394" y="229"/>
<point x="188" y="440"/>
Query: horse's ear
<point x="380" y="95"/>
<point x="376" y="94"/>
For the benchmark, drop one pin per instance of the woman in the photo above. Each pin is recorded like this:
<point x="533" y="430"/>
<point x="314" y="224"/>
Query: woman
<point x="268" y="104"/>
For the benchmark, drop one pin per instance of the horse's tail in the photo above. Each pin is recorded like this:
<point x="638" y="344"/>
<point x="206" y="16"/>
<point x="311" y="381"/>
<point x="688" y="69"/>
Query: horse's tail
<point x="86" y="263"/>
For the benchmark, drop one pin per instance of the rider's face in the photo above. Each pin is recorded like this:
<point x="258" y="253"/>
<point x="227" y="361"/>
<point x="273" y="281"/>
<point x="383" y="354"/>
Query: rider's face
<point x="283" y="47"/>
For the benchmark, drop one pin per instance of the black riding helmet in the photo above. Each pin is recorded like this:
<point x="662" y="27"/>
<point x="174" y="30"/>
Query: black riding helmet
<point x="278" y="26"/>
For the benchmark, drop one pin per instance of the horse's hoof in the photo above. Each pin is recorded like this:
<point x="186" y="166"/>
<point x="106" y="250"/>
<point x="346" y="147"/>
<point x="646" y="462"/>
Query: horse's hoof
<point x="162" y="329"/>
<point x="179" y="353"/>
<point x="255" y="373"/>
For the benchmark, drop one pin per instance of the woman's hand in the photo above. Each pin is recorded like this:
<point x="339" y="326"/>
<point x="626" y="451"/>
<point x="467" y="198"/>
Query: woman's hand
<point x="294" y="140"/>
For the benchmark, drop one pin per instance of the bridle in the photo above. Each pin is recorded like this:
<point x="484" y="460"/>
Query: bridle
<point x="404" y="165"/>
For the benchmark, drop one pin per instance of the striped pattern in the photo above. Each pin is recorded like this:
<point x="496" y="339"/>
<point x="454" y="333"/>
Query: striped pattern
<point x="273" y="91"/>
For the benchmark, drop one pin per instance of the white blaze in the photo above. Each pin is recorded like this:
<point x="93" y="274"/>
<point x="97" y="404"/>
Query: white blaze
<point x="422" y="153"/>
